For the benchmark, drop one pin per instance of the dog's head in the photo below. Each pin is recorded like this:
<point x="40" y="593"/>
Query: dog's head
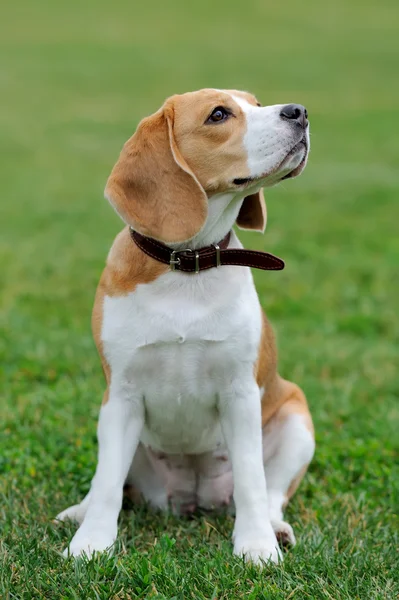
<point x="199" y="145"/>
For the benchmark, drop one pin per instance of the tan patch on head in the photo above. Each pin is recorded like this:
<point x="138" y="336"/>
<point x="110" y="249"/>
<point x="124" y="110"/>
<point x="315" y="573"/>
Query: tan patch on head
<point x="214" y="151"/>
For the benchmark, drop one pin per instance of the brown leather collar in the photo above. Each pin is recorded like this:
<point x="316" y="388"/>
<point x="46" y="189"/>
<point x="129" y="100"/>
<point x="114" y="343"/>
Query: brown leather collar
<point x="194" y="261"/>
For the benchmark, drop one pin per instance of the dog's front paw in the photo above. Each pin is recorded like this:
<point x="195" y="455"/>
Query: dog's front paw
<point x="259" y="550"/>
<point x="86" y="542"/>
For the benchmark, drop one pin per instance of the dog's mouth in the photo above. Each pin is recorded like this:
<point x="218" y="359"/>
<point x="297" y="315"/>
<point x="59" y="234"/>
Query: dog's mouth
<point x="302" y="145"/>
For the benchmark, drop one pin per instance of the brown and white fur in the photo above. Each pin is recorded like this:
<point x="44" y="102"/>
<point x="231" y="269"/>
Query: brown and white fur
<point x="193" y="400"/>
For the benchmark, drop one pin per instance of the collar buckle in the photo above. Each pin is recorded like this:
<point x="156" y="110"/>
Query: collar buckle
<point x="175" y="260"/>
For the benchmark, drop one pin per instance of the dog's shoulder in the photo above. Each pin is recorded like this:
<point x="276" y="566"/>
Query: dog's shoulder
<point x="127" y="266"/>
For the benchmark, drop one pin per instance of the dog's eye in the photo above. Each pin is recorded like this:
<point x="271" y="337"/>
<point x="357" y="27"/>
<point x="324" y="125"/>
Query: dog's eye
<point x="218" y="114"/>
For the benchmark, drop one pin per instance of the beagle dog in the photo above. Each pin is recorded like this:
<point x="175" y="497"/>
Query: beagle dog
<point x="195" y="413"/>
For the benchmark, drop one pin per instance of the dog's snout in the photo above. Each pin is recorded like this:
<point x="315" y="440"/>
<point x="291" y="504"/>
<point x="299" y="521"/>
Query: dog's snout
<point x="295" y="112"/>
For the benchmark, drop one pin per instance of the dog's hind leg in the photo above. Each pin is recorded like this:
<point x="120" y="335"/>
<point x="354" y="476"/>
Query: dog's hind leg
<point x="288" y="448"/>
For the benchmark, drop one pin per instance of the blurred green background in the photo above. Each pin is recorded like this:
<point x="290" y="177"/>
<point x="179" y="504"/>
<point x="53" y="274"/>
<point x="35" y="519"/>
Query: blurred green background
<point x="75" y="80"/>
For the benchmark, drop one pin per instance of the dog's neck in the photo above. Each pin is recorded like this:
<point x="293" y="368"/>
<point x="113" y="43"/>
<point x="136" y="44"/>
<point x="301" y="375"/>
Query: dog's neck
<point x="223" y="210"/>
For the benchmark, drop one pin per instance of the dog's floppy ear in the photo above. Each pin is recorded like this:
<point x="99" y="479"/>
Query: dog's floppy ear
<point x="151" y="186"/>
<point x="253" y="213"/>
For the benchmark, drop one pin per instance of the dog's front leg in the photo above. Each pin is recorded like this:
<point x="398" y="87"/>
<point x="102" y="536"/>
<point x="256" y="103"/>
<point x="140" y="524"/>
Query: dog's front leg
<point x="119" y="428"/>
<point x="240" y="415"/>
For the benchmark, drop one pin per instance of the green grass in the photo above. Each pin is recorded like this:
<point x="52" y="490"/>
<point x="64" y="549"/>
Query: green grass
<point x="74" y="83"/>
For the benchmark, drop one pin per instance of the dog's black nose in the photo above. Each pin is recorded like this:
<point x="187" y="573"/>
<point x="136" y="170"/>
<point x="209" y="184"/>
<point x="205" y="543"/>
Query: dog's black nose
<point x="295" y="112"/>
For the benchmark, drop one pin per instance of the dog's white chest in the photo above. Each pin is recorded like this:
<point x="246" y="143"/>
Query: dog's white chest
<point x="178" y="343"/>
<point x="180" y="395"/>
